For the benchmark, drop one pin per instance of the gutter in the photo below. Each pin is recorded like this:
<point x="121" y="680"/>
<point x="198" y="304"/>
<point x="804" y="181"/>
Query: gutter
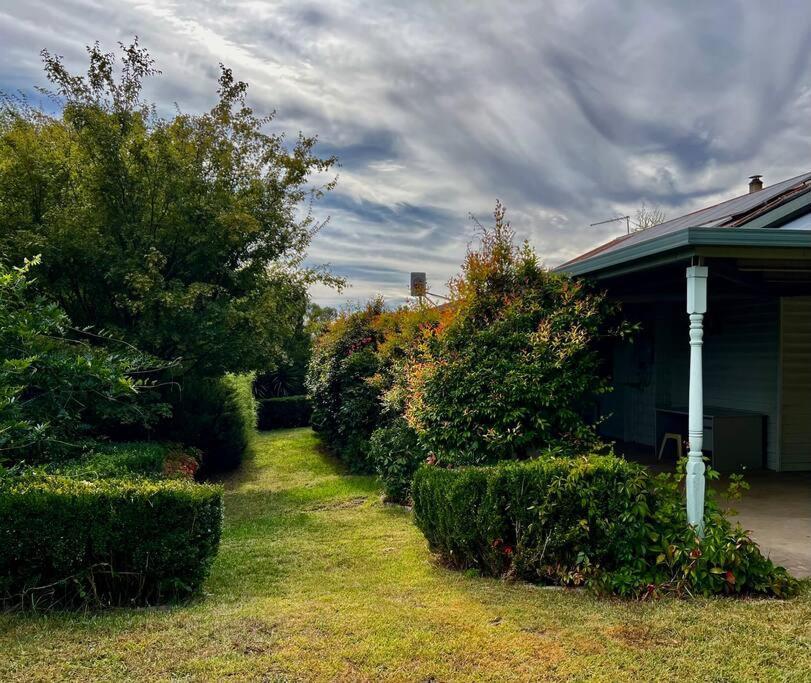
<point x="684" y="241"/>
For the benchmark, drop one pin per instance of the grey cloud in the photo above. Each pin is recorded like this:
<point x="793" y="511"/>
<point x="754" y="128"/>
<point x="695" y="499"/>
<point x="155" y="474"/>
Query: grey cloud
<point x="568" y="111"/>
<point x="371" y="145"/>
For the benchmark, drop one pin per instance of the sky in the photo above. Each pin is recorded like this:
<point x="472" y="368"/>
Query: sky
<point x="569" y="112"/>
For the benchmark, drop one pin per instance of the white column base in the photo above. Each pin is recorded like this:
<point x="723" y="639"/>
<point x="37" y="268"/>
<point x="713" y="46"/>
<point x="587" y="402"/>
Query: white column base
<point x="696" y="486"/>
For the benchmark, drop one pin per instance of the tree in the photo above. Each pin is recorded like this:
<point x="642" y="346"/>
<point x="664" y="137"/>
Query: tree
<point x="287" y="376"/>
<point x="186" y="235"/>
<point x="318" y="319"/>
<point x="59" y="386"/>
<point x="648" y="216"/>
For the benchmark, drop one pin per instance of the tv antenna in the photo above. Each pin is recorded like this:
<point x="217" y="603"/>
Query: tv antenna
<point x="419" y="289"/>
<point x="627" y="220"/>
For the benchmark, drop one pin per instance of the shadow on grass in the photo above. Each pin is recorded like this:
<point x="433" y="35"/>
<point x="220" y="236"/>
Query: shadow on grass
<point x="277" y="506"/>
<point x="288" y="472"/>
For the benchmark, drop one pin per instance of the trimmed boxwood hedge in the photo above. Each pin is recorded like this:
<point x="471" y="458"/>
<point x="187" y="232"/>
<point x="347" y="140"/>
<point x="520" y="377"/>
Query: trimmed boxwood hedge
<point x="137" y="458"/>
<point x="285" y="411"/>
<point x="216" y="415"/>
<point x="539" y="519"/>
<point x="67" y="541"/>
<point x="118" y="460"/>
<point x="593" y="520"/>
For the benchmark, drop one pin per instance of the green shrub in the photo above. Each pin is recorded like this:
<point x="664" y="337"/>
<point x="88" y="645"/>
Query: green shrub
<point x="516" y="367"/>
<point x="396" y="454"/>
<point x="539" y="518"/>
<point x="61" y="386"/>
<point x="284" y="411"/>
<point x="356" y="381"/>
<point x="156" y="460"/>
<point x="669" y="558"/>
<point x="595" y="520"/>
<point x="118" y="460"/>
<point x="217" y="416"/>
<point x="241" y="386"/>
<point x="346" y="403"/>
<point x="66" y="541"/>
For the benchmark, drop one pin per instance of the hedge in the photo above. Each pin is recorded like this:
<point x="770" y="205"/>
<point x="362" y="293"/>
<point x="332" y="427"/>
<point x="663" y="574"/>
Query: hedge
<point x="241" y="388"/>
<point x="596" y="520"/>
<point x="216" y="415"/>
<point x="285" y="411"/>
<point x="118" y="460"/>
<point x="539" y="518"/>
<point x="396" y="453"/>
<point x="67" y="541"/>
<point x="137" y="458"/>
<point x="346" y="402"/>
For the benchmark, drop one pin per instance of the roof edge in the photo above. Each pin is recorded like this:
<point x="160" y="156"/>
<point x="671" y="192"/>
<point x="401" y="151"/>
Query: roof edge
<point x="685" y="238"/>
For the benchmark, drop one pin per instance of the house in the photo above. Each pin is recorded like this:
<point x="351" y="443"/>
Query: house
<point x="723" y="356"/>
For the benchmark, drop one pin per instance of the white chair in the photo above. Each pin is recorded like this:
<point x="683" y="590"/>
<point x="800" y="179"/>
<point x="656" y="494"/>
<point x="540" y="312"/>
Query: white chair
<point x="676" y="438"/>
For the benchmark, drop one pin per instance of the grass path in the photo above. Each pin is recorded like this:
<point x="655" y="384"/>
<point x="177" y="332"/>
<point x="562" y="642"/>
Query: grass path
<point x="317" y="580"/>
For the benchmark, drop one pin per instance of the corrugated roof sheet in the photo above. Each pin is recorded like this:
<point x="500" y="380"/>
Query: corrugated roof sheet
<point x="713" y="216"/>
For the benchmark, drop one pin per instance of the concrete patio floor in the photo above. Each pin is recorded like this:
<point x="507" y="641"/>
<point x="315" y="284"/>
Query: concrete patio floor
<point x="776" y="509"/>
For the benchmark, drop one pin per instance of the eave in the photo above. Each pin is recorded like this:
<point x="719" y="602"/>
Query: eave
<point x="689" y="242"/>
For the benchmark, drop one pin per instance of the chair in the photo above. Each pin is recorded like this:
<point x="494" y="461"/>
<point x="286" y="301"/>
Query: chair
<point x="670" y="436"/>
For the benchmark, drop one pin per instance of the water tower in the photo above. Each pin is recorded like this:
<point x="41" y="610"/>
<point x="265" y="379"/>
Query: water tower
<point x="419" y="289"/>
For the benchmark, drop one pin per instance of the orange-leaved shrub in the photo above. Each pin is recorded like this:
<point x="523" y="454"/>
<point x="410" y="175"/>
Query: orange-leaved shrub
<point x="356" y="387"/>
<point x="514" y="366"/>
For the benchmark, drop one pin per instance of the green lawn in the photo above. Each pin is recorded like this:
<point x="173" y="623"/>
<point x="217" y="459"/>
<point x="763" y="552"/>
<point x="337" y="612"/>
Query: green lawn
<point x="318" y="580"/>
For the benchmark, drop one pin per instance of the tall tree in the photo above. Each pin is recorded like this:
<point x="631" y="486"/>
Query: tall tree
<point x="185" y="234"/>
<point x="648" y="216"/>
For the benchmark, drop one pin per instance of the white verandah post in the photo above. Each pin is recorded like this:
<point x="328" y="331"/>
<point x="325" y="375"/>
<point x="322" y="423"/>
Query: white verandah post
<point x="696" y="308"/>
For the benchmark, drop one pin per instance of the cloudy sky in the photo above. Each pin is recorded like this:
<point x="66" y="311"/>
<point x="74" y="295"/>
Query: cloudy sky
<point x="569" y="112"/>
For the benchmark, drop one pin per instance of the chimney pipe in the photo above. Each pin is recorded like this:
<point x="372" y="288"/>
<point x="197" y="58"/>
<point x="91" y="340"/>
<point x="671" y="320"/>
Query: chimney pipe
<point x="755" y="183"/>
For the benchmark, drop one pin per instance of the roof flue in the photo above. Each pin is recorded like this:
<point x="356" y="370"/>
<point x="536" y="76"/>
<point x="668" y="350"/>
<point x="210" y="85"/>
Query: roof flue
<point x="755" y="183"/>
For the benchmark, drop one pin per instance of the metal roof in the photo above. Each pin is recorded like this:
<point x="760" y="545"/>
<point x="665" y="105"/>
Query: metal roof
<point x="801" y="223"/>
<point x="735" y="212"/>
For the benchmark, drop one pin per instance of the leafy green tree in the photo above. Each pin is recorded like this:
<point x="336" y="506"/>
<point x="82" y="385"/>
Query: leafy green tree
<point x="60" y="386"/>
<point x="186" y="235"/>
<point x="287" y="376"/>
<point x="318" y="319"/>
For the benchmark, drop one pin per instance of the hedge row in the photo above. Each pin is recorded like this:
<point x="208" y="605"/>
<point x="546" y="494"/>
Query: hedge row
<point x="285" y="411"/>
<point x="216" y="415"/>
<point x="358" y="385"/>
<point x="118" y="460"/>
<point x="538" y="518"/>
<point x="596" y="520"/>
<point x="67" y="541"/>
<point x="396" y="453"/>
<point x="138" y="458"/>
